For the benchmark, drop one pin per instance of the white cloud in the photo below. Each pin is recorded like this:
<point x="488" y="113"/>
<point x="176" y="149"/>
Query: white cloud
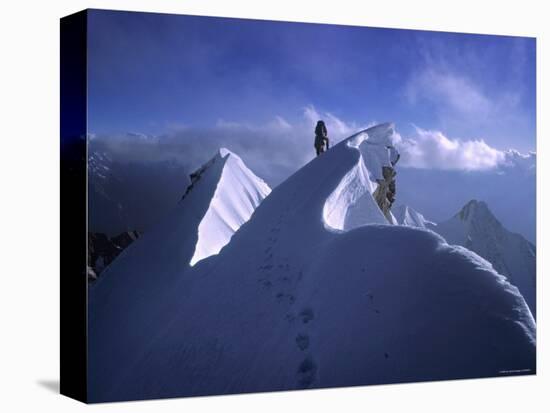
<point x="338" y="129"/>
<point x="449" y="91"/>
<point x="311" y="115"/>
<point x="274" y="149"/>
<point x="279" y="147"/>
<point x="280" y="123"/>
<point x="433" y="150"/>
<point x="341" y="127"/>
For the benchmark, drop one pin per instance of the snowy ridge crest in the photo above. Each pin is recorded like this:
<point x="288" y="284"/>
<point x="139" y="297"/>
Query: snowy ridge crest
<point x="238" y="192"/>
<point x="294" y="302"/>
<point x="476" y="228"/>
<point x="352" y="204"/>
<point x="407" y="216"/>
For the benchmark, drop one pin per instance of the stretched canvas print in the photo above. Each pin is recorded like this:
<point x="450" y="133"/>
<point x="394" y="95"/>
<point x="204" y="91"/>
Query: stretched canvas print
<point x="252" y="206"/>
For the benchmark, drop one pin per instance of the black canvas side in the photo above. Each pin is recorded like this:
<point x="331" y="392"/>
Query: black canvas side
<point x="73" y="282"/>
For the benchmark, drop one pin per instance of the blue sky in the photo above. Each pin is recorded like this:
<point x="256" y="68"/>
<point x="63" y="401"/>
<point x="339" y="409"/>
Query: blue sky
<point x="155" y="74"/>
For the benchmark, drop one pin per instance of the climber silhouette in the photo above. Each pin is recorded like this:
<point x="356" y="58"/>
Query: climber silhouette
<point x="321" y="138"/>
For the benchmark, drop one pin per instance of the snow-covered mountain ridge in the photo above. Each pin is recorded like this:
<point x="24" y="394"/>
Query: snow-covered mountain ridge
<point x="476" y="228"/>
<point x="352" y="204"/>
<point x="317" y="289"/>
<point x="238" y="192"/>
<point x="222" y="196"/>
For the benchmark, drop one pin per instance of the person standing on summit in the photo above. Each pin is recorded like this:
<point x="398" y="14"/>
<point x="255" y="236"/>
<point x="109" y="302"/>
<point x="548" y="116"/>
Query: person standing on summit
<point x="321" y="138"/>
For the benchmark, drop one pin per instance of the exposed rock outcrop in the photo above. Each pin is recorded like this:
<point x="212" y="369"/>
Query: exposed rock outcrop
<point x="386" y="190"/>
<point x="353" y="202"/>
<point x="103" y="250"/>
<point x="196" y="176"/>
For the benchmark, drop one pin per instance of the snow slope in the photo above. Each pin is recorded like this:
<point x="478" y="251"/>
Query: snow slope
<point x="407" y="216"/>
<point x="223" y="195"/>
<point x="237" y="195"/>
<point x="296" y="300"/>
<point x="476" y="228"/>
<point x="351" y="204"/>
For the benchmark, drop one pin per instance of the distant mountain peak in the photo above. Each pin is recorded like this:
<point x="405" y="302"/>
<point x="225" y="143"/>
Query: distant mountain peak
<point x="223" y="152"/>
<point x="473" y="209"/>
<point x="476" y="228"/>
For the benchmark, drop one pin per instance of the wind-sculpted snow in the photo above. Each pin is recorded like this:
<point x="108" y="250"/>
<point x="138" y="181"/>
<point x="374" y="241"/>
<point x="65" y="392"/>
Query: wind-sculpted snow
<point x="351" y="204"/>
<point x="476" y="228"/>
<point x="407" y="216"/>
<point x="297" y="301"/>
<point x="413" y="308"/>
<point x="237" y="195"/>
